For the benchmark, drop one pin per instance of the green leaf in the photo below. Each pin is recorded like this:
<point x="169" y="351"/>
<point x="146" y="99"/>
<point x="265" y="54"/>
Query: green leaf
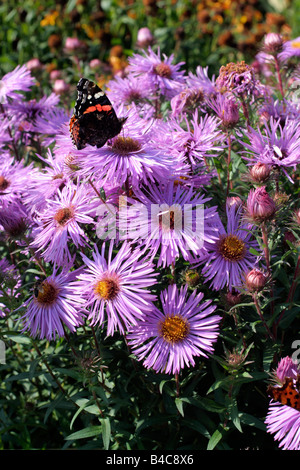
<point x="90" y="431"/>
<point x="214" y="440"/>
<point x="83" y="404"/>
<point x="20" y="339"/>
<point x="205" y="404"/>
<point x="252" y="421"/>
<point x="106" y="432"/>
<point x="179" y="405"/>
<point x="196" y="426"/>
<point x="234" y="415"/>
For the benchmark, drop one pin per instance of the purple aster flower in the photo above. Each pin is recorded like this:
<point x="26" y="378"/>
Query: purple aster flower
<point x="52" y="123"/>
<point x="15" y="220"/>
<point x="197" y="90"/>
<point x="168" y="340"/>
<point x="290" y="49"/>
<point x="10" y="281"/>
<point x="5" y="136"/>
<point x="187" y="101"/>
<point x="20" y="79"/>
<point x="130" y="155"/>
<point x="201" y="80"/>
<point x="26" y="112"/>
<point x="116" y="288"/>
<point x="168" y="220"/>
<point x="226" y="108"/>
<point x="45" y="183"/>
<point x="127" y="90"/>
<point x="279" y="110"/>
<point x="228" y="257"/>
<point x="283" y="418"/>
<point x="196" y="139"/>
<point x="159" y="73"/>
<point x="14" y="179"/>
<point x="32" y="108"/>
<point x="198" y="176"/>
<point x="55" y="303"/>
<point x="275" y="145"/>
<point x="236" y="78"/>
<point x="59" y="223"/>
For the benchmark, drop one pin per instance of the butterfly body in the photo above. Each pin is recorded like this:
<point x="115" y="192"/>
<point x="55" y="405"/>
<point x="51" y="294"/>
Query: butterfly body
<point x="94" y="121"/>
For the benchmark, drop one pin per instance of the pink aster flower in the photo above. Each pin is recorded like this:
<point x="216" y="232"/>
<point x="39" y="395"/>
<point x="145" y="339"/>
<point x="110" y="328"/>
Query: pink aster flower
<point x="55" y="304"/>
<point x="228" y="257"/>
<point x="116" y="288"/>
<point x="169" y="340"/>
<point x="159" y="73"/>
<point x="59" y="224"/>
<point x="283" y="418"/>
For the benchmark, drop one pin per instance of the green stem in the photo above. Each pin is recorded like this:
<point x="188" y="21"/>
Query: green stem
<point x="256" y="303"/>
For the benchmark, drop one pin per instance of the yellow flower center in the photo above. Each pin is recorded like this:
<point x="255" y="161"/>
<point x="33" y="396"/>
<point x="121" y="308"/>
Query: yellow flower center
<point x="107" y="289"/>
<point x="46" y="293"/>
<point x="296" y="45"/>
<point x="174" y="329"/>
<point x="4" y="183"/>
<point x="63" y="215"/>
<point x="232" y="248"/>
<point x="126" y="145"/>
<point x="163" y="70"/>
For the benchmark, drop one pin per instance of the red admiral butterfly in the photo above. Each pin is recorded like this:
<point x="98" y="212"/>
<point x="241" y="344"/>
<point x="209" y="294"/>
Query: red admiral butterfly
<point x="94" y="120"/>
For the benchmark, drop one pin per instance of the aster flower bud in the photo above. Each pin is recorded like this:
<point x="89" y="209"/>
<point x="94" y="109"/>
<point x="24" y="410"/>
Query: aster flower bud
<point x="55" y="74"/>
<point x="233" y="298"/>
<point x="95" y="64"/>
<point x="73" y="44"/>
<point x="296" y="216"/>
<point x="260" y="206"/>
<point x="289" y="237"/>
<point x="255" y="280"/>
<point x="34" y="64"/>
<point x="60" y="86"/>
<point x="192" y="277"/>
<point x="260" y="172"/>
<point x="233" y="201"/>
<point x="144" y="37"/>
<point x="235" y="359"/>
<point x="272" y="43"/>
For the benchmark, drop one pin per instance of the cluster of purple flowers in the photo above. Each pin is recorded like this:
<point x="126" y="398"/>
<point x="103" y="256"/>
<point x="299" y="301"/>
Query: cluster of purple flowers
<point x="162" y="169"/>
